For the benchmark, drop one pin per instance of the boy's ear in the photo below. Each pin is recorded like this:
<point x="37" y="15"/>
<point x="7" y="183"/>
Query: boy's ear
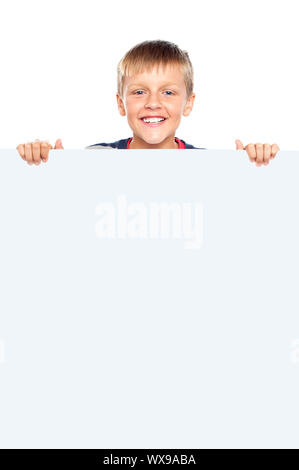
<point x="120" y="105"/>
<point x="189" y="105"/>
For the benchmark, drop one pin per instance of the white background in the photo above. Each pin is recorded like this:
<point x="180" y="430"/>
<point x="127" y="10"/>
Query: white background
<point x="59" y="58"/>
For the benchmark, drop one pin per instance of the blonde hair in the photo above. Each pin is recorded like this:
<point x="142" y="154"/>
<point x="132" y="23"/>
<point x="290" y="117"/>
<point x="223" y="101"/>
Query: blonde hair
<point x="145" y="55"/>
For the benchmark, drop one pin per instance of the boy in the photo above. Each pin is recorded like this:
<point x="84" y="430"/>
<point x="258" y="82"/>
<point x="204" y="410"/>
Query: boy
<point x="154" y="90"/>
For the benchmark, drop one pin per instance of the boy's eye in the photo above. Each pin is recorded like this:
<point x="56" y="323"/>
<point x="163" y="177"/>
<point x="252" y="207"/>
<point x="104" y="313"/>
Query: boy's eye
<point x="168" y="91"/>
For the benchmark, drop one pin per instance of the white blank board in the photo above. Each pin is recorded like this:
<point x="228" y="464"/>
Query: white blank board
<point x="141" y="342"/>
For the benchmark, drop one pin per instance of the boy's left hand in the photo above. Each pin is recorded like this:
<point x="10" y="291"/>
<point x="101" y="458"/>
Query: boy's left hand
<point x="261" y="154"/>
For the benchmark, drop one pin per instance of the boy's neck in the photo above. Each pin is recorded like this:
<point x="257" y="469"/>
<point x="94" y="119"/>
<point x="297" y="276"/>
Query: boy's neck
<point x="137" y="143"/>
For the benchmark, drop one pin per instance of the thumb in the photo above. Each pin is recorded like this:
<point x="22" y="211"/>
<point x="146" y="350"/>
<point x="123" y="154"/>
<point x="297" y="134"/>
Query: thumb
<point x="239" y="145"/>
<point x="58" y="144"/>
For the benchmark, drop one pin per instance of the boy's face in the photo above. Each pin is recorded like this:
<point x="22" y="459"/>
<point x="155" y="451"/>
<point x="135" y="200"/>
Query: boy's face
<point x="156" y="93"/>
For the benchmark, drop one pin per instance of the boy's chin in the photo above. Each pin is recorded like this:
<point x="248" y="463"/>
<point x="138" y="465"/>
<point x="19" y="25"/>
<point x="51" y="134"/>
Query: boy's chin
<point x="152" y="140"/>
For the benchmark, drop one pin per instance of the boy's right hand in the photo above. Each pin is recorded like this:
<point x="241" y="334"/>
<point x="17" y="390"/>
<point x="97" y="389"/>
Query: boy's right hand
<point x="37" y="151"/>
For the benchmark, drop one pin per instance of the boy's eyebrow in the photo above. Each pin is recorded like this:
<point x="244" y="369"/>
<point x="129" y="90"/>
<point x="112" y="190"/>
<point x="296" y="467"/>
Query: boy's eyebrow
<point x="164" y="84"/>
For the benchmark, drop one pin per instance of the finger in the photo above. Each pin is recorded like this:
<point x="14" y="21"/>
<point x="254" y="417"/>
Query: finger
<point x="21" y="150"/>
<point x="58" y="144"/>
<point x="274" y="150"/>
<point x="267" y="153"/>
<point x="259" y="153"/>
<point x="44" y="150"/>
<point x="36" y="152"/>
<point x="28" y="153"/>
<point x="250" y="149"/>
<point x="239" y="145"/>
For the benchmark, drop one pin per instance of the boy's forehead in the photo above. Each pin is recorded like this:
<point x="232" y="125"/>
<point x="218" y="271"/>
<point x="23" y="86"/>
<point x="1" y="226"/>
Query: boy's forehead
<point x="168" y="74"/>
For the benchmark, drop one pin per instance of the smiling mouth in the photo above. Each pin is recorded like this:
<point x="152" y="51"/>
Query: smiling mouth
<point x="153" y="124"/>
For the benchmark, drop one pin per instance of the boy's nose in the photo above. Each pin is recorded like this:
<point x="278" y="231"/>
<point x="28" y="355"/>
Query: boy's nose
<point x="153" y="100"/>
<point x="153" y="104"/>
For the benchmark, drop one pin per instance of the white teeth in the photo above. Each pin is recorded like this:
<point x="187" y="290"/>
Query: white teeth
<point x="153" y="119"/>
